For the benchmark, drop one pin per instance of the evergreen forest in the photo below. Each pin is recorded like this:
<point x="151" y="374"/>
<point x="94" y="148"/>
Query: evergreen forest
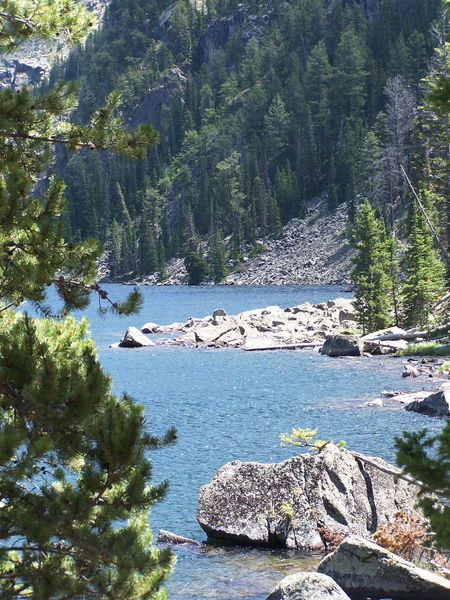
<point x="262" y="108"/>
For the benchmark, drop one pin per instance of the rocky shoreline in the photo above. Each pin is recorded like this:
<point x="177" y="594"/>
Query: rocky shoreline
<point x="329" y="327"/>
<point x="315" y="502"/>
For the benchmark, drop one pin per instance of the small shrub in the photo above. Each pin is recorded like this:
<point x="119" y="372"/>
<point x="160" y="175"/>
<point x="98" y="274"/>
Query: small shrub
<point x="331" y="537"/>
<point x="257" y="249"/>
<point x="402" y="535"/>
<point x="288" y="511"/>
<point x="305" y="438"/>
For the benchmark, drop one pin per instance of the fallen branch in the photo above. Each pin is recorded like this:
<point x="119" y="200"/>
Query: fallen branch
<point x="286" y="346"/>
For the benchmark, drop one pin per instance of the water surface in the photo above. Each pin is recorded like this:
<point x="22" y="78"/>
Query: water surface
<point x="229" y="404"/>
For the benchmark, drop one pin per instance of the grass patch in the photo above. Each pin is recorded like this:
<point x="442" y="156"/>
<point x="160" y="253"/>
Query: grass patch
<point x="445" y="366"/>
<point x="425" y="349"/>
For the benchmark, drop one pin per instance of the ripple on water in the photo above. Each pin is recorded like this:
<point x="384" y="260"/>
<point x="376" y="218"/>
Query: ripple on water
<point x="232" y="405"/>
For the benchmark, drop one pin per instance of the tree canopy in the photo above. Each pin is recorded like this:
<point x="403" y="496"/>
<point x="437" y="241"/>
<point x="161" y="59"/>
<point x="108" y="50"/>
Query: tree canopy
<point x="74" y="471"/>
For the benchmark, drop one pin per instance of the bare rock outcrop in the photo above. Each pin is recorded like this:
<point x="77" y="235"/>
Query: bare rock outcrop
<point x="168" y="86"/>
<point x="311" y="251"/>
<point x="308" y="586"/>
<point x="133" y="338"/>
<point x="363" y="569"/>
<point x="303" y="502"/>
<point x="305" y="325"/>
<point x="435" y="405"/>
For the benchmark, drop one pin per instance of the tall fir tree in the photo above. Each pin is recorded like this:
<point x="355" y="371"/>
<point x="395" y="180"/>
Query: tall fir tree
<point x="372" y="273"/>
<point x="74" y="472"/>
<point x="424" y="274"/>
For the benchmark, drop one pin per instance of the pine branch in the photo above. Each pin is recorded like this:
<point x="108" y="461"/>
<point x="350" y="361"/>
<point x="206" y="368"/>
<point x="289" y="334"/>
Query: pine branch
<point x="50" y="140"/>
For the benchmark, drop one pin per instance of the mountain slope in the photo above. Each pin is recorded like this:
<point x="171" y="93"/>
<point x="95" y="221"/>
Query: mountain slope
<point x="262" y="107"/>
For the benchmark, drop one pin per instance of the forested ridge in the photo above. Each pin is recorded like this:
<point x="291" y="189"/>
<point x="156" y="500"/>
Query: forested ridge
<point x="261" y="108"/>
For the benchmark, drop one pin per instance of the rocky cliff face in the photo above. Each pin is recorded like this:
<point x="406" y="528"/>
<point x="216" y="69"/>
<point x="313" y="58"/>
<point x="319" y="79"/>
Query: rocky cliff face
<point x="31" y="62"/>
<point x="220" y="31"/>
<point x="170" y="85"/>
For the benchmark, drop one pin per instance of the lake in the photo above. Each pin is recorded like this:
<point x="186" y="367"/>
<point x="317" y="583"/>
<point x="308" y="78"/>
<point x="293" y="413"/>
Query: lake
<point x="228" y="405"/>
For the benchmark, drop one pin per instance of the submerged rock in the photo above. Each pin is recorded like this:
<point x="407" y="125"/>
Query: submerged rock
<point x="304" y="502"/>
<point x="435" y="405"/>
<point x="362" y="568"/>
<point x="308" y="586"/>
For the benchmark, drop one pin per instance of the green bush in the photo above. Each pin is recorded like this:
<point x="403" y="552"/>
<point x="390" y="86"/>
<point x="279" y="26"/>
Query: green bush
<point x="425" y="349"/>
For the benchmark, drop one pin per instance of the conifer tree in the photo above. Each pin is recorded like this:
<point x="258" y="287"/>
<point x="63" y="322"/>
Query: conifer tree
<point x="195" y="263"/>
<point x="424" y="273"/>
<point x="148" y="252"/>
<point x="426" y="458"/>
<point x="217" y="258"/>
<point x="74" y="475"/>
<point x="372" y="274"/>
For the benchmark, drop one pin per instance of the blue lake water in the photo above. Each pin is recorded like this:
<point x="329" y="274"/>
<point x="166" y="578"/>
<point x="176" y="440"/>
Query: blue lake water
<point x="229" y="404"/>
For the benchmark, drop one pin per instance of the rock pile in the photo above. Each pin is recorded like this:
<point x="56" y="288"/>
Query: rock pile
<point x="265" y="328"/>
<point x="310" y="251"/>
<point x="306" y="502"/>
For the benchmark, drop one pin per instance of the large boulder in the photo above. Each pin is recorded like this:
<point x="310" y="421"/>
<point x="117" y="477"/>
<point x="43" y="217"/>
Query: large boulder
<point x="342" y="345"/>
<point x="363" y="569"/>
<point x="133" y="338"/>
<point x="308" y="586"/>
<point x="305" y="502"/>
<point x="435" y="405"/>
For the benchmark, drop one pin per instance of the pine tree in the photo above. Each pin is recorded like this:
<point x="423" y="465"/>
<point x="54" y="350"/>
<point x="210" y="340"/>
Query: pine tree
<point x="424" y="274"/>
<point x="74" y="476"/>
<point x="217" y="258"/>
<point x="372" y="274"/>
<point x="195" y="263"/>
<point x="148" y="252"/>
<point x="426" y="458"/>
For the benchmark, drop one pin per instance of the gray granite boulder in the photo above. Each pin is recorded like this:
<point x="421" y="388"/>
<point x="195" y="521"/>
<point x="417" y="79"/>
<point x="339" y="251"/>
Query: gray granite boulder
<point x="304" y="502"/>
<point x="435" y="405"/>
<point x="308" y="586"/>
<point x="362" y="568"/>
<point x="133" y="338"/>
<point x="410" y="371"/>
<point x="342" y="345"/>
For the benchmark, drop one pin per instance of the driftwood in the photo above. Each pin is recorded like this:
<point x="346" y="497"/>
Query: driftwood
<point x="286" y="346"/>
<point x="385" y="344"/>
<point x="392" y="337"/>
<point x="172" y="538"/>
